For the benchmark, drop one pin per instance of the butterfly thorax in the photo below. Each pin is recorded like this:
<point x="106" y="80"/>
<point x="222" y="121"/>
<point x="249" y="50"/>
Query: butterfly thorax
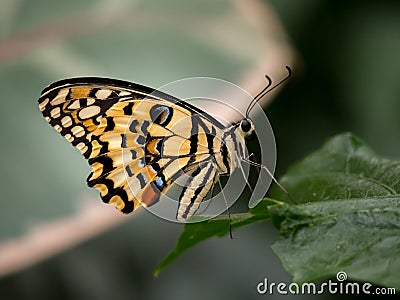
<point x="234" y="145"/>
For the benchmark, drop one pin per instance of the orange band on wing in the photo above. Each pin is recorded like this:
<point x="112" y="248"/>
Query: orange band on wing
<point x="150" y="195"/>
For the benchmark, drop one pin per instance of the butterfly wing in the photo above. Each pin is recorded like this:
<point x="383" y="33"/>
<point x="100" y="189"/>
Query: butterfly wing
<point x="196" y="189"/>
<point x="137" y="140"/>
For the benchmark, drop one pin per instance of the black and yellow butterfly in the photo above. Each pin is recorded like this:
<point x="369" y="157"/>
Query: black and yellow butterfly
<point x="139" y="141"/>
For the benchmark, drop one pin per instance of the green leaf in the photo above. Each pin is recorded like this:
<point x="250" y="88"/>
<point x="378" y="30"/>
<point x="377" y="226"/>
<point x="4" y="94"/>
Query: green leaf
<point x="194" y="233"/>
<point x="344" y="168"/>
<point x="352" y="220"/>
<point x="347" y="217"/>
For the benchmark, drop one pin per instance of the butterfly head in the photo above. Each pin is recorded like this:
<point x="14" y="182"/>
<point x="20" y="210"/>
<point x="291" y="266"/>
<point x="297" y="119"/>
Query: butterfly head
<point x="246" y="127"/>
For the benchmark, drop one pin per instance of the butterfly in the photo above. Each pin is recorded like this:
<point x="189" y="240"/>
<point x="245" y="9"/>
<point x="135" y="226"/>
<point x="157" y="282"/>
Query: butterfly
<point x="140" y="141"/>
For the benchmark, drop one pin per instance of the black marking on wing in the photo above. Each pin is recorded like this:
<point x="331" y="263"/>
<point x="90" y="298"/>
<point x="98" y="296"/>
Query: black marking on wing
<point x="161" y="114"/>
<point x="225" y="154"/>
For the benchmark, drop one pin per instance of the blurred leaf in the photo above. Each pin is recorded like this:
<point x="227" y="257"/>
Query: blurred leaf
<point x="194" y="233"/>
<point x="353" y="222"/>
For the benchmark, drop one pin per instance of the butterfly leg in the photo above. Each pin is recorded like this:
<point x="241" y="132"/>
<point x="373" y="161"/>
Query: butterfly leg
<point x="271" y="175"/>
<point x="244" y="175"/>
<point x="227" y="209"/>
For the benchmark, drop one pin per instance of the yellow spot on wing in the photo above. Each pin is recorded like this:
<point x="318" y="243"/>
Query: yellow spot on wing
<point x="124" y="93"/>
<point x="80" y="92"/>
<point x="103" y="94"/>
<point x="74" y="105"/>
<point x="89" y="125"/>
<point x="55" y="112"/>
<point x="43" y="104"/>
<point x="102" y="188"/>
<point x="89" y="112"/>
<point x="97" y="170"/>
<point x="80" y="146"/>
<point x="60" y="98"/>
<point x="96" y="147"/>
<point x="117" y="201"/>
<point x="78" y="131"/>
<point x="69" y="137"/>
<point x="66" y="121"/>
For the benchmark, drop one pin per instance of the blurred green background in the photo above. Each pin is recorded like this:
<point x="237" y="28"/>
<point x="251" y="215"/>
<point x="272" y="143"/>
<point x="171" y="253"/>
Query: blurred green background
<point x="346" y="79"/>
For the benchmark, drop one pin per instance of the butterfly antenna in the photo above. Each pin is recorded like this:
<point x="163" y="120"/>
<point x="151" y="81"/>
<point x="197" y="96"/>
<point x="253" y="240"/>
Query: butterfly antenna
<point x="258" y="96"/>
<point x="227" y="209"/>
<point x="269" y="87"/>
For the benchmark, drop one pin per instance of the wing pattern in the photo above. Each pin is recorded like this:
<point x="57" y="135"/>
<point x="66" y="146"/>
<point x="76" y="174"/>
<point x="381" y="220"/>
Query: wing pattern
<point x="138" y="141"/>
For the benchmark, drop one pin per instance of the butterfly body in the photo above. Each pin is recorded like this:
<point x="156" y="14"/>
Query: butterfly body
<point x="140" y="141"/>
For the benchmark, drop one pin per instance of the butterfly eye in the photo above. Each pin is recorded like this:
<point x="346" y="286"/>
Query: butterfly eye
<point x="245" y="125"/>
